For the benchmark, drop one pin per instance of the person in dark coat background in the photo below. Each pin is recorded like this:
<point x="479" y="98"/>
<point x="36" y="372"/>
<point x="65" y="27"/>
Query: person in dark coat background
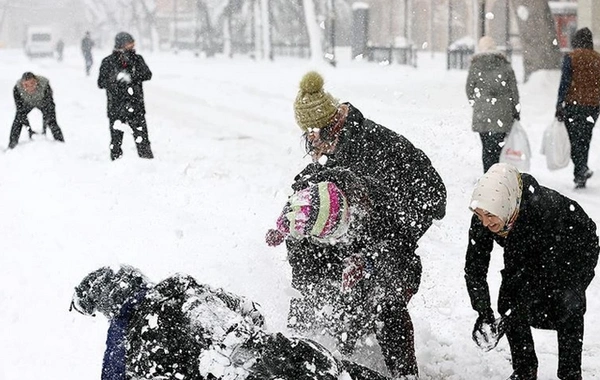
<point x="33" y="91"/>
<point x="351" y="249"/>
<point x="60" y="47"/>
<point x="494" y="95"/>
<point x="550" y="252"/>
<point x="182" y="329"/>
<point x="122" y="74"/>
<point x="86" y="49"/>
<point x="578" y="103"/>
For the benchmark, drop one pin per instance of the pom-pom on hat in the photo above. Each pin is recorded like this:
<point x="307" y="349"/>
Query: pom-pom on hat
<point x="320" y="211"/>
<point x="313" y="107"/>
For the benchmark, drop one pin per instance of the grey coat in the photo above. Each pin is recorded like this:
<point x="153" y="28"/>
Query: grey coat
<point x="493" y="93"/>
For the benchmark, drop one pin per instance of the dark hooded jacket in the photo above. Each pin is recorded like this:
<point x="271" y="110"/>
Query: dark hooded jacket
<point x="492" y="89"/>
<point x="368" y="149"/>
<point x="552" y="247"/>
<point x="122" y="74"/>
<point x="180" y="329"/>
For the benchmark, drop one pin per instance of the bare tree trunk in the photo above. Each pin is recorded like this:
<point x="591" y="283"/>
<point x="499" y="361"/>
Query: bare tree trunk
<point x="538" y="36"/>
<point x="314" y="32"/>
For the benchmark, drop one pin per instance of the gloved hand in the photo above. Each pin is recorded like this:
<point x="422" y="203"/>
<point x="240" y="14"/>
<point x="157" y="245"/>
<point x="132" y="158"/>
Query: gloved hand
<point x="485" y="331"/>
<point x="516" y="115"/>
<point x="124" y="76"/>
<point x="560" y="113"/>
<point x="254" y="311"/>
<point x="274" y="237"/>
<point x="355" y="269"/>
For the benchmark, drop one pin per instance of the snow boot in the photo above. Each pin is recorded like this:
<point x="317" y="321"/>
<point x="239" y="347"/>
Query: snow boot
<point x="530" y="374"/>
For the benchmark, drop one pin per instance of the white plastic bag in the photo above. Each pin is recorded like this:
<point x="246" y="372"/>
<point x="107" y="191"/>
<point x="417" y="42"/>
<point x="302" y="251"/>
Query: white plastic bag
<point x="516" y="149"/>
<point x="556" y="145"/>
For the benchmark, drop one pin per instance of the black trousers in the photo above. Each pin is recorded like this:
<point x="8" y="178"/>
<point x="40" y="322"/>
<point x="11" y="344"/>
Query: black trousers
<point x="373" y="306"/>
<point x="491" y="148"/>
<point x="562" y="311"/>
<point x="580" y="121"/>
<point x="140" y="136"/>
<point x="49" y="121"/>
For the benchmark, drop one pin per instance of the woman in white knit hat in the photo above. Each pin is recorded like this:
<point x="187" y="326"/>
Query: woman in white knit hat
<point x="550" y="252"/>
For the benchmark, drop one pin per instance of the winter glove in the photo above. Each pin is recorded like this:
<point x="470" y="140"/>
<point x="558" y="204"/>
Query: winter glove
<point x="356" y="268"/>
<point x="124" y="76"/>
<point x="485" y="332"/>
<point x="516" y="115"/>
<point x="484" y="320"/>
<point x="274" y="237"/>
<point x="560" y="113"/>
<point x="253" y="310"/>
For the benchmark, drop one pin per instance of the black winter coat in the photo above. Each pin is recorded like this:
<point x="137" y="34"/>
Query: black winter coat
<point x="43" y="101"/>
<point x="369" y="149"/>
<point x="163" y="330"/>
<point x="552" y="248"/>
<point x="125" y="97"/>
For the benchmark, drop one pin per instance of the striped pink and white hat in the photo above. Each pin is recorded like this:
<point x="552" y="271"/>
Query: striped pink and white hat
<point x="320" y="211"/>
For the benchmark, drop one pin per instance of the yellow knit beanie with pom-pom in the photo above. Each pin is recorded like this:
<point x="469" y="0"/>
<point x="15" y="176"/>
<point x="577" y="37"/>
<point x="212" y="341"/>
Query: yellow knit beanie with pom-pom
<point x="313" y="107"/>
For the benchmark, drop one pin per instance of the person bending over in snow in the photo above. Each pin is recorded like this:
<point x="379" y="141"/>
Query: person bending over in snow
<point x="33" y="91"/>
<point x="337" y="135"/>
<point x="180" y="329"/>
<point x="550" y="252"/>
<point x="122" y="75"/>
<point x="351" y="246"/>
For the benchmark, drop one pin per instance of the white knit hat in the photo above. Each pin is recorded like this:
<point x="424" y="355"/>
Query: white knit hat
<point x="486" y="44"/>
<point x="498" y="191"/>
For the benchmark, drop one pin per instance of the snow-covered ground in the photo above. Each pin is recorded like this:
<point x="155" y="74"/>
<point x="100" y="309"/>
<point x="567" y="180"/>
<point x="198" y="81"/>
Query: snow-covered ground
<point x="227" y="148"/>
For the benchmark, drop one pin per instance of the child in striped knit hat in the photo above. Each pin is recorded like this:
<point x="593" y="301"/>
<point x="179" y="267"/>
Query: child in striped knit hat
<point x="320" y="211"/>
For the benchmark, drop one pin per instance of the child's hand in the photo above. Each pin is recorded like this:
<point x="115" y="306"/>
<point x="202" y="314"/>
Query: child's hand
<point x="274" y="237"/>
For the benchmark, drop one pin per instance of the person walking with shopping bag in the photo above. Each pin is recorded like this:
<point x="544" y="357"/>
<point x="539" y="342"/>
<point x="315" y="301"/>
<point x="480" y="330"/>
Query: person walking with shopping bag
<point x="578" y="103"/>
<point x="493" y="93"/>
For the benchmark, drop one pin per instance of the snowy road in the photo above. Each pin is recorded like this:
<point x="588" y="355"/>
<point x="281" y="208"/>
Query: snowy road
<point x="227" y="148"/>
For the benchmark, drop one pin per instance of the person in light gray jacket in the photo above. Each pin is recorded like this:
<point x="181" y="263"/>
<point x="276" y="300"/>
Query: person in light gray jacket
<point x="493" y="93"/>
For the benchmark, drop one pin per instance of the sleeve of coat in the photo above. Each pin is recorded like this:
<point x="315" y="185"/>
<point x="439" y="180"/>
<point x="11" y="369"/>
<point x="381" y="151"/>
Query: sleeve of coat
<point x="104" y="75"/>
<point x="514" y="89"/>
<point x="142" y="72"/>
<point x="471" y="82"/>
<point x="242" y="305"/>
<point x="578" y="245"/>
<point x="565" y="80"/>
<point x="477" y="264"/>
<point x="49" y="101"/>
<point x="21" y="115"/>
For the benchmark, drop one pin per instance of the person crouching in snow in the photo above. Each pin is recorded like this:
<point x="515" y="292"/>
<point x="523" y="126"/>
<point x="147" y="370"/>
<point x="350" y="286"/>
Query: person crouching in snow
<point x="181" y="329"/>
<point x="550" y="252"/>
<point x="353" y="260"/>
<point x="338" y="136"/>
<point x="33" y="91"/>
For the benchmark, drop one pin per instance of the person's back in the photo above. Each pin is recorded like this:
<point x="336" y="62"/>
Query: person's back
<point x="585" y="80"/>
<point x="491" y="86"/>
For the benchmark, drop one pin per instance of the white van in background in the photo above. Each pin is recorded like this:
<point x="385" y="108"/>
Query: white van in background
<point x="39" y="42"/>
